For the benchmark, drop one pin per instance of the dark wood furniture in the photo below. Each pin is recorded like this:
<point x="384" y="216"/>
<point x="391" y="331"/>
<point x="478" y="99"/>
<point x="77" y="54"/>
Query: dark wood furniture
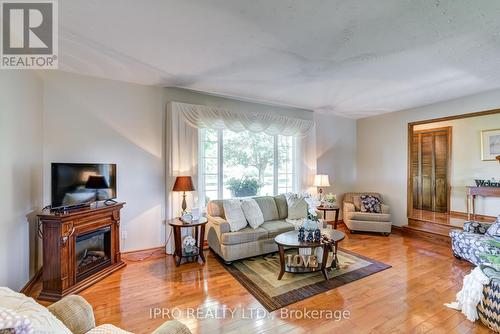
<point x="199" y="235"/>
<point x="325" y="209"/>
<point x="473" y="192"/>
<point x="60" y="232"/>
<point x="290" y="240"/>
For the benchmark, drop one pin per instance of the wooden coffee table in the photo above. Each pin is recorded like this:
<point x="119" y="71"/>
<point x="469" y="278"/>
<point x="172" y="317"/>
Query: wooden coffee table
<point x="290" y="240"/>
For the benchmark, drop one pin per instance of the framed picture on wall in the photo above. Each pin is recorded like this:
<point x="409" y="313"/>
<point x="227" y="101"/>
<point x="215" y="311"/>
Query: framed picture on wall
<point x="490" y="144"/>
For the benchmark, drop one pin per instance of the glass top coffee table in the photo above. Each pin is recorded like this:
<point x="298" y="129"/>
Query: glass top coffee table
<point x="307" y="263"/>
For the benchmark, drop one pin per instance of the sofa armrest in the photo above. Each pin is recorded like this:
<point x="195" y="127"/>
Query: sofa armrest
<point x="476" y="227"/>
<point x="385" y="208"/>
<point x="75" y="313"/>
<point x="220" y="224"/>
<point x="172" y="327"/>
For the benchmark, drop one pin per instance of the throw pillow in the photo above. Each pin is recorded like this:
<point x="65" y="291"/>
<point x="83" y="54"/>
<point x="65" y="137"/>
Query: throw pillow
<point x="370" y="204"/>
<point x="234" y="214"/>
<point x="297" y="206"/>
<point x="357" y="202"/>
<point x="494" y="230"/>
<point x="252" y="212"/>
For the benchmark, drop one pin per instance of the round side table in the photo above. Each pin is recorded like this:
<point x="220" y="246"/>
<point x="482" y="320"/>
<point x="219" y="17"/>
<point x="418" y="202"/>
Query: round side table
<point x="199" y="232"/>
<point x="325" y="209"/>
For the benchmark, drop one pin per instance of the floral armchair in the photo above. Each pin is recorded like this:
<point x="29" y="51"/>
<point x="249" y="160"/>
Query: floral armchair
<point x="472" y="244"/>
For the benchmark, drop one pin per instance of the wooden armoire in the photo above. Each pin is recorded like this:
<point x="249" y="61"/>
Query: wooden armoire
<point x="430" y="169"/>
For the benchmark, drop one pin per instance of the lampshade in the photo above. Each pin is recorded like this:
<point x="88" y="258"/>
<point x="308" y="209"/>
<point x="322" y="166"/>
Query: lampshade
<point x="183" y="183"/>
<point x="321" y="180"/>
<point x="96" y="182"/>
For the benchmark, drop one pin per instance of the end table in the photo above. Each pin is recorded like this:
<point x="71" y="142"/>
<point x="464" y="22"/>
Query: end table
<point x="325" y="209"/>
<point x="199" y="232"/>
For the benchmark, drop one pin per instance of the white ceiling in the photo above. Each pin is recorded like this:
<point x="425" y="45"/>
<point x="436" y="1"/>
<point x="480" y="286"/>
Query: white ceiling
<point x="354" y="58"/>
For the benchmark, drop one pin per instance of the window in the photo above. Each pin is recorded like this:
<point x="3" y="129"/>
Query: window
<point x="239" y="164"/>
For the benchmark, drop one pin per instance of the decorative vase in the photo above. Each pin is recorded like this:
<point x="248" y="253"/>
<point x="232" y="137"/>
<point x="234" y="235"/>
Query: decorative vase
<point x="310" y="225"/>
<point x="189" y="244"/>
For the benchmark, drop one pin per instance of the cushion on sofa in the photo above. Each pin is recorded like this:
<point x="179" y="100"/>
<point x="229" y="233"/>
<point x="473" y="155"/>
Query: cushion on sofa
<point x="252" y="212"/>
<point x="247" y="234"/>
<point x="370" y="204"/>
<point x="494" y="230"/>
<point x="356" y="200"/>
<point x="276" y="227"/>
<point x="268" y="207"/>
<point x="368" y="216"/>
<point x="234" y="214"/>
<point x="297" y="206"/>
<point x="282" y="206"/>
<point x="107" y="329"/>
<point x="42" y="321"/>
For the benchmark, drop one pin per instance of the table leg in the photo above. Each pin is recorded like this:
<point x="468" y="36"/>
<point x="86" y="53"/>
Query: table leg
<point x="335" y="262"/>
<point x="474" y="207"/>
<point x="282" y="261"/>
<point x="201" y="242"/>
<point x="178" y="245"/>
<point x="324" y="261"/>
<point x="336" y="219"/>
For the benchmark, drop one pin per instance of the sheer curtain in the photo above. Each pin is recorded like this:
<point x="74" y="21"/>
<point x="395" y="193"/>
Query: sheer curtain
<point x="181" y="159"/>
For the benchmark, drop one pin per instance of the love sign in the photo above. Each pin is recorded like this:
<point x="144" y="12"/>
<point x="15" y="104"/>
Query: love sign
<point x="298" y="260"/>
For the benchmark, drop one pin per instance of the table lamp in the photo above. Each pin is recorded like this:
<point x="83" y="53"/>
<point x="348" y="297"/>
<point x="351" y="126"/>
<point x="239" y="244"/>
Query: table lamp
<point x="96" y="182"/>
<point x="321" y="181"/>
<point x="183" y="183"/>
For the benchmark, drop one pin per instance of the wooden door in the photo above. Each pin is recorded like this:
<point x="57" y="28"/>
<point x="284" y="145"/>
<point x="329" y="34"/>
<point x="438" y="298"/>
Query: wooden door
<point x="430" y="163"/>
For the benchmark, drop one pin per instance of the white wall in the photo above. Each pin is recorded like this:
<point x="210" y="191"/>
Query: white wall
<point x="336" y="152"/>
<point x="466" y="163"/>
<point x="103" y="121"/>
<point x="20" y="169"/>
<point x="382" y="146"/>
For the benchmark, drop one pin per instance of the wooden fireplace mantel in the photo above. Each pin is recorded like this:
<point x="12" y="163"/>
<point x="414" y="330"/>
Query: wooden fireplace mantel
<point x="60" y="231"/>
<point x="473" y="192"/>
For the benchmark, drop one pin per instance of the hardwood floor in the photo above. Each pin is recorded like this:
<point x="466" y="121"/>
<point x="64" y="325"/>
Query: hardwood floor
<point x="453" y="219"/>
<point x="407" y="298"/>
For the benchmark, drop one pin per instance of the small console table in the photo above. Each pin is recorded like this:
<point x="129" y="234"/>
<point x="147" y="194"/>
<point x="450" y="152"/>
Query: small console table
<point x="473" y="192"/>
<point x="325" y="209"/>
<point x="199" y="235"/>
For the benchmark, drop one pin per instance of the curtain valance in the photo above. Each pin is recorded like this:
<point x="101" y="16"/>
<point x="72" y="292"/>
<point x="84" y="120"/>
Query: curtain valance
<point x="217" y="118"/>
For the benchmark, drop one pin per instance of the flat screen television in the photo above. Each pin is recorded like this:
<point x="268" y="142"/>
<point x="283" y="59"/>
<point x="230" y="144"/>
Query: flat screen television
<point x="71" y="186"/>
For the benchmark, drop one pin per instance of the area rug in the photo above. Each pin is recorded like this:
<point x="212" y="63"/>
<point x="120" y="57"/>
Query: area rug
<point x="259" y="276"/>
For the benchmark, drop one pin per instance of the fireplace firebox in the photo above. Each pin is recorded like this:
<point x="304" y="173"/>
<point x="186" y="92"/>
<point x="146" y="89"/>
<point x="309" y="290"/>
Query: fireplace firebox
<point x="93" y="252"/>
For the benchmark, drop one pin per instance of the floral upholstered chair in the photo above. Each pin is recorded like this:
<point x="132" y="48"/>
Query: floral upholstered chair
<point x="473" y="243"/>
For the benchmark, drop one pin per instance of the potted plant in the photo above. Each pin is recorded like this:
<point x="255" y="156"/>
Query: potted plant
<point x="244" y="187"/>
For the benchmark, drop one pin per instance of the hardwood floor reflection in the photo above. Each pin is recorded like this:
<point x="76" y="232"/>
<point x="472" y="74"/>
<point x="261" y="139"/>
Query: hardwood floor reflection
<point x="454" y="219"/>
<point x="406" y="298"/>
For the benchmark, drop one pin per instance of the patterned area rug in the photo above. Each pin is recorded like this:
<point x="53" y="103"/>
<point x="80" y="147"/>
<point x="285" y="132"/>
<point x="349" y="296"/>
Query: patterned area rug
<point x="259" y="276"/>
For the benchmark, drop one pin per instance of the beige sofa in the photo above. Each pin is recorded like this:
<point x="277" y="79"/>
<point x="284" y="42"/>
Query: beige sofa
<point x="355" y="220"/>
<point x="247" y="242"/>
<point x="72" y="314"/>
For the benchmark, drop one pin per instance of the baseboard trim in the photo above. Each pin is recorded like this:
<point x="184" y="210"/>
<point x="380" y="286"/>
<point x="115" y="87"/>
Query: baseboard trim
<point x="143" y="254"/>
<point x="31" y="283"/>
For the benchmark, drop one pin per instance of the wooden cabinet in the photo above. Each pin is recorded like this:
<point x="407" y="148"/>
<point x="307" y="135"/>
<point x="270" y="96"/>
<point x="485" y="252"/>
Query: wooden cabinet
<point x="61" y="233"/>
<point x="430" y="163"/>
